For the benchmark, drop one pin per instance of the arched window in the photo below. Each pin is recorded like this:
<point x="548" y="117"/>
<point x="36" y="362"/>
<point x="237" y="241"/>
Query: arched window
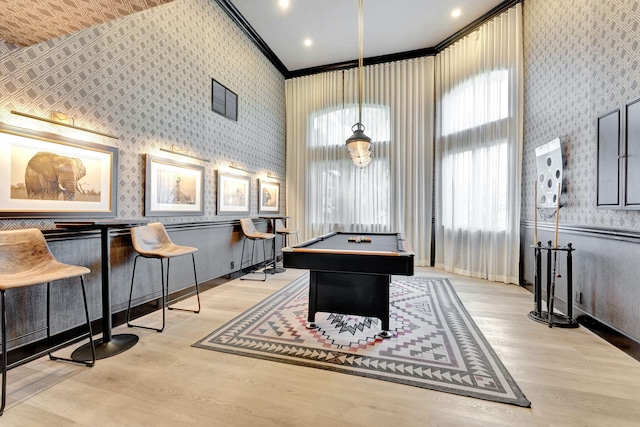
<point x="341" y="196"/>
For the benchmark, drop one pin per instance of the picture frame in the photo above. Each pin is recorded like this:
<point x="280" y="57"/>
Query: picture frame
<point x="268" y="196"/>
<point x="233" y="195"/>
<point x="608" y="151"/>
<point x="224" y="101"/>
<point x="173" y="188"/>
<point x="53" y="176"/>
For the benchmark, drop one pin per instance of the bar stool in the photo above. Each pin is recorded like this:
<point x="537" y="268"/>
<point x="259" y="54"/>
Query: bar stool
<point x="250" y="233"/>
<point x="152" y="241"/>
<point x="25" y="260"/>
<point x="285" y="232"/>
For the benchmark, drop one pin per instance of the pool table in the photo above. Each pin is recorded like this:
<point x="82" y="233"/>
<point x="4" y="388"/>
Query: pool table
<point x="350" y="277"/>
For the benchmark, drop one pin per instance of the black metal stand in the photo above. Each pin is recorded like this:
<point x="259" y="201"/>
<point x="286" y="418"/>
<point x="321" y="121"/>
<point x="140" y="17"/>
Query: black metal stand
<point x="559" y="320"/>
<point x="274" y="268"/>
<point x="109" y="345"/>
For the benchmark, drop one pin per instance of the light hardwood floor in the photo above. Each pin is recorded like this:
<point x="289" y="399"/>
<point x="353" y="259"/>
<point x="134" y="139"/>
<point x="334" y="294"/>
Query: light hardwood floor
<point x="571" y="376"/>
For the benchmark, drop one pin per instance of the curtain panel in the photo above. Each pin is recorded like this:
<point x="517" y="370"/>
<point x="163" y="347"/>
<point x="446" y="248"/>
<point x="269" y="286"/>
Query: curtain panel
<point x="325" y="191"/>
<point x="478" y="156"/>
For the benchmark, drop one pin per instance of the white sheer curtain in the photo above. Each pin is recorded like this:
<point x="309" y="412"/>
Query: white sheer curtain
<point x="479" y="88"/>
<point x="325" y="191"/>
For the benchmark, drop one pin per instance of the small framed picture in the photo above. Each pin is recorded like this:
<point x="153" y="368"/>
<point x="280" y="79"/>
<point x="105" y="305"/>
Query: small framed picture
<point x="233" y="193"/>
<point x="173" y="188"/>
<point x="49" y="175"/>
<point x="268" y="196"/>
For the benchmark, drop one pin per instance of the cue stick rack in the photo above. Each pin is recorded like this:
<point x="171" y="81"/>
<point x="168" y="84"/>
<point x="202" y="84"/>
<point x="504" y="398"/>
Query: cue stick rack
<point x="549" y="317"/>
<point x="557" y="319"/>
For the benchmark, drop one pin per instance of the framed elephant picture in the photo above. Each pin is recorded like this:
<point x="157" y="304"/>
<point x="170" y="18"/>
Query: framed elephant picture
<point x="173" y="188"/>
<point x="50" y="175"/>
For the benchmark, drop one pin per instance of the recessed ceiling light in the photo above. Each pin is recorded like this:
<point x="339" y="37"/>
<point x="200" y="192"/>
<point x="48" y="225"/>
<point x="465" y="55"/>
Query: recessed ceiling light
<point x="284" y="3"/>
<point x="456" y="12"/>
<point x="308" y="42"/>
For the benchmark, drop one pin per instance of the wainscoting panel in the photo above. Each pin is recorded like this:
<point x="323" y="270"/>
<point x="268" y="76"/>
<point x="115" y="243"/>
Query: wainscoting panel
<point x="606" y="270"/>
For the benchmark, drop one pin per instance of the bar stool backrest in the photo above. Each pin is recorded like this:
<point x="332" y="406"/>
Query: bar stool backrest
<point x="248" y="228"/>
<point x="23" y="250"/>
<point x="150" y="238"/>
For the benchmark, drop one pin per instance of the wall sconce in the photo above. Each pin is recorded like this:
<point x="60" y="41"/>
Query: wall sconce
<point x="234" y="165"/>
<point x="178" y="151"/>
<point x="62" y="119"/>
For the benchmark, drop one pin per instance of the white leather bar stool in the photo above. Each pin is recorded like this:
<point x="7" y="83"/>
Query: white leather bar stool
<point x="152" y="241"/>
<point x="250" y="233"/>
<point x="282" y="230"/>
<point x="25" y="260"/>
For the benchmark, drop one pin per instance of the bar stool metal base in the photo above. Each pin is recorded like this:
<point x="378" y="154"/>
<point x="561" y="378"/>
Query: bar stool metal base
<point x="558" y="320"/>
<point x="273" y="270"/>
<point x="118" y="344"/>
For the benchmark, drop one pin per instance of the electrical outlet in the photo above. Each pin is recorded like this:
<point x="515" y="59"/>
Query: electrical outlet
<point x="232" y="265"/>
<point x="578" y="297"/>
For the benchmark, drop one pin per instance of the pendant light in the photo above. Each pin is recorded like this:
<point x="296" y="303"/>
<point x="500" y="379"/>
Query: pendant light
<point x="359" y="144"/>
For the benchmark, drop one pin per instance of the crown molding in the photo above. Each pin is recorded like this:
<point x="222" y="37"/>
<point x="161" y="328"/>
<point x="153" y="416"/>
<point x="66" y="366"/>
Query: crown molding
<point x="244" y="25"/>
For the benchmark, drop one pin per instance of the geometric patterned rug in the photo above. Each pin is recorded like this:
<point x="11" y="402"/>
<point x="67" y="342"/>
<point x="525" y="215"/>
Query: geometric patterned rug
<point x="434" y="345"/>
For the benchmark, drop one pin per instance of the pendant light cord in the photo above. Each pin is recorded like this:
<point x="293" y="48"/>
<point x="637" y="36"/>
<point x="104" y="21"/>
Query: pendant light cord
<point x="360" y="60"/>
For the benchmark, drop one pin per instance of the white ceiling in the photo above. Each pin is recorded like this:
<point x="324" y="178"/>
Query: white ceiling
<point x="390" y="26"/>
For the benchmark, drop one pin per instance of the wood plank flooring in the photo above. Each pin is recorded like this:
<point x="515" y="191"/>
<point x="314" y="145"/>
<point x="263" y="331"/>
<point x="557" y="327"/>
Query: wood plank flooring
<point x="571" y="376"/>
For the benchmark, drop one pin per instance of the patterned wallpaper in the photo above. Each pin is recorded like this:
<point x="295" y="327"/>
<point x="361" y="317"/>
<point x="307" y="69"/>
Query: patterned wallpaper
<point x="39" y="20"/>
<point x="146" y="77"/>
<point x="581" y="60"/>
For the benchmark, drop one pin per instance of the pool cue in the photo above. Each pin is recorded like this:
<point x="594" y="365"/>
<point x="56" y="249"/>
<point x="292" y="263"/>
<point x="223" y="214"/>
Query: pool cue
<point x="555" y="263"/>
<point x="537" y="288"/>
<point x="535" y="213"/>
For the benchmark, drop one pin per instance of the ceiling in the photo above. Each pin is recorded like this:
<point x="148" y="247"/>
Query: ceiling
<point x="390" y="27"/>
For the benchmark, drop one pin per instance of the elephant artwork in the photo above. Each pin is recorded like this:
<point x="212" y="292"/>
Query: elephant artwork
<point x="50" y="175"/>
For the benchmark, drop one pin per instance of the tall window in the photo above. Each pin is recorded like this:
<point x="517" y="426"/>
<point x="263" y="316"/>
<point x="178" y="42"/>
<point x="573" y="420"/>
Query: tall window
<point x="349" y="198"/>
<point x="472" y="108"/>
<point x="479" y="89"/>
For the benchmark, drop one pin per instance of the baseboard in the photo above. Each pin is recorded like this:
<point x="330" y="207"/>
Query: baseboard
<point x="606" y="332"/>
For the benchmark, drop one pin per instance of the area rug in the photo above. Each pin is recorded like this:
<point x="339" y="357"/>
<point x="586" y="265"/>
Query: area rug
<point x="435" y="343"/>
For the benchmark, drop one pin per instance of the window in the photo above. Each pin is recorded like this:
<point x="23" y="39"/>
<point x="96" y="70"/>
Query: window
<point x="471" y="206"/>
<point x="480" y="100"/>
<point x="348" y="198"/>
<point x="475" y="160"/>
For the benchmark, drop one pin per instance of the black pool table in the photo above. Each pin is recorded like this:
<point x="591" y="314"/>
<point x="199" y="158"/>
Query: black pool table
<point x="350" y="277"/>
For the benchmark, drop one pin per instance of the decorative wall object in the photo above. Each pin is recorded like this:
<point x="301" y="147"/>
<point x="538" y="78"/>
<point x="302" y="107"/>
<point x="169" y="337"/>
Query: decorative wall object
<point x="48" y="175"/>
<point x="173" y="188"/>
<point x="608" y="143"/>
<point x="224" y="101"/>
<point x="233" y="194"/>
<point x="268" y="196"/>
<point x="549" y="162"/>
<point x="618" y="158"/>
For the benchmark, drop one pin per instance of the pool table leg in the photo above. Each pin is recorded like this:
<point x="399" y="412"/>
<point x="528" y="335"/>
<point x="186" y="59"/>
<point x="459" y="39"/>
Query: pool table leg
<point x="347" y="293"/>
<point x="313" y="300"/>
